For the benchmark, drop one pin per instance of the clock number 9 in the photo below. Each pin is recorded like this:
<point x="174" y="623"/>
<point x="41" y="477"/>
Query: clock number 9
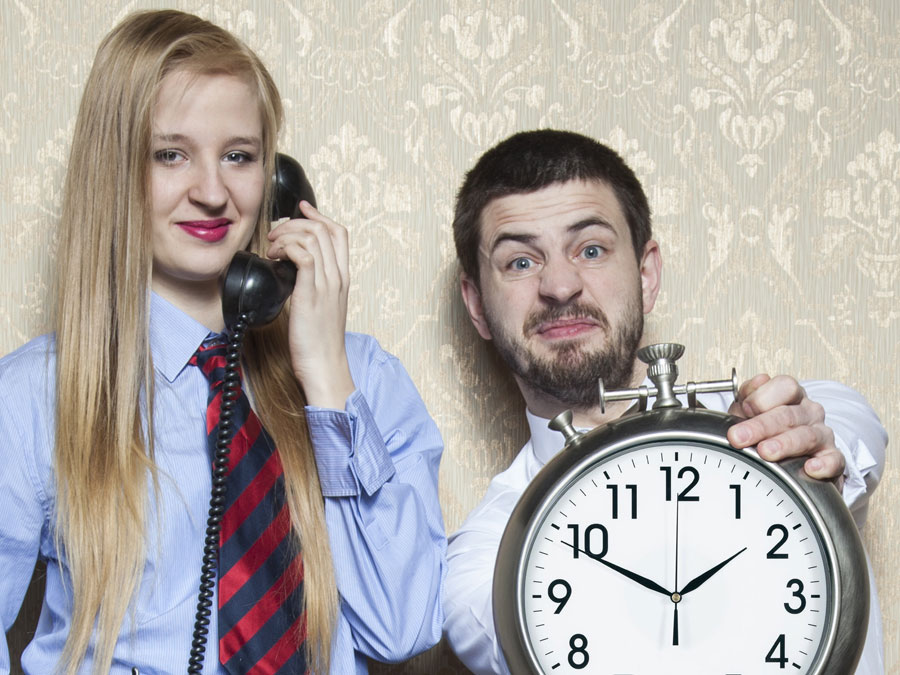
<point x="683" y="496"/>
<point x="560" y="601"/>
<point x="797" y="594"/>
<point x="578" y="657"/>
<point x="587" y="548"/>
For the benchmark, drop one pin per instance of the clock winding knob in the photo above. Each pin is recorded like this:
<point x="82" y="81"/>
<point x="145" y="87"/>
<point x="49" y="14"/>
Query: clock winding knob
<point x="660" y="359"/>
<point x="563" y="423"/>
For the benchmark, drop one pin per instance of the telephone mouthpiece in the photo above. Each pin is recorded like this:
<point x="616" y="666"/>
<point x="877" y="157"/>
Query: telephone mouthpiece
<point x="256" y="287"/>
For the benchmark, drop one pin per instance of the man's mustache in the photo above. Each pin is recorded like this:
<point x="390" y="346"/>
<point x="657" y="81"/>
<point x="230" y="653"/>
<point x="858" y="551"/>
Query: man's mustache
<point x="574" y="310"/>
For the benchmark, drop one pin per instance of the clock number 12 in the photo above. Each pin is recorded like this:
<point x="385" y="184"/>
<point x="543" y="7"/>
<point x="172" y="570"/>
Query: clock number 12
<point x="683" y="496"/>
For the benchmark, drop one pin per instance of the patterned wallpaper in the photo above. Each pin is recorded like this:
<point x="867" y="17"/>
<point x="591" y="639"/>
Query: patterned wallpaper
<point x="766" y="132"/>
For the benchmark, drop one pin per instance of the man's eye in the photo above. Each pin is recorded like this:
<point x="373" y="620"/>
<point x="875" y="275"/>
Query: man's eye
<point x="521" y="264"/>
<point x="592" y="251"/>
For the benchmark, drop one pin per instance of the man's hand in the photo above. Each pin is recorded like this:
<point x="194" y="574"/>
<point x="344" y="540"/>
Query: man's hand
<point x="782" y="422"/>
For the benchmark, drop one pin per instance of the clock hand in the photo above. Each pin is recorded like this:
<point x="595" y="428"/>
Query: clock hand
<point x="675" y="597"/>
<point x="696" y="582"/>
<point x="634" y="576"/>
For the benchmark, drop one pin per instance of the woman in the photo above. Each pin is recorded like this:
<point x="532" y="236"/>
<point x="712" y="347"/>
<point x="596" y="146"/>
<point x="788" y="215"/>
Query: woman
<point x="107" y="476"/>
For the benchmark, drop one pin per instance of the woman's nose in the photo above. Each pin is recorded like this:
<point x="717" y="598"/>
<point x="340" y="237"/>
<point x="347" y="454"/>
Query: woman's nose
<point x="208" y="185"/>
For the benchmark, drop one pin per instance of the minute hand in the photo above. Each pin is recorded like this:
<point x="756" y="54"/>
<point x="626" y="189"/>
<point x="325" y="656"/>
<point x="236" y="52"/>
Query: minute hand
<point x="696" y="582"/>
<point x="634" y="576"/>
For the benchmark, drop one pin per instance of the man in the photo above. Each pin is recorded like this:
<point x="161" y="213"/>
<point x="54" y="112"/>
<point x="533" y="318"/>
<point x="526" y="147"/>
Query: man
<point x="553" y="236"/>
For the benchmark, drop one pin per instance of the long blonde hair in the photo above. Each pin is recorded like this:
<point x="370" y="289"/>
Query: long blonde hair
<point x="104" y="411"/>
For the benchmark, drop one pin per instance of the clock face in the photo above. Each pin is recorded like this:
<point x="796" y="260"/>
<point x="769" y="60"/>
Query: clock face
<point x="675" y="557"/>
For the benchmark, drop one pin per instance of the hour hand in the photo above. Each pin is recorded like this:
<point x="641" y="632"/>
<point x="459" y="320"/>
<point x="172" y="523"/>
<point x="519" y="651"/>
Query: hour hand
<point x="696" y="582"/>
<point x="634" y="576"/>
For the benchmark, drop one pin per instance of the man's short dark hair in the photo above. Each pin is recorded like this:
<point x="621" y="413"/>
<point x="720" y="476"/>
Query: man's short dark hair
<point x="530" y="160"/>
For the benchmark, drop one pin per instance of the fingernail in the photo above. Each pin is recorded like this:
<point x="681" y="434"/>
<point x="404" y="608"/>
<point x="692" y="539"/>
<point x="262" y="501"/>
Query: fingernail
<point x="770" y="448"/>
<point x="814" y="465"/>
<point x="741" y="435"/>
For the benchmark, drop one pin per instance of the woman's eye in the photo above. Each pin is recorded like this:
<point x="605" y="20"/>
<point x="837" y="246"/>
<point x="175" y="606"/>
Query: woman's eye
<point x="238" y="157"/>
<point x="167" y="156"/>
<point x="591" y="252"/>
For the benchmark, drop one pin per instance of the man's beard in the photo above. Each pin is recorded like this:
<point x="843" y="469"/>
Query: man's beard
<point x="571" y="375"/>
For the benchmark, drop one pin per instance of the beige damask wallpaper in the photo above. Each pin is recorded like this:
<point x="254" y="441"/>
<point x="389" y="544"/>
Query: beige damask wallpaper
<point x="767" y="134"/>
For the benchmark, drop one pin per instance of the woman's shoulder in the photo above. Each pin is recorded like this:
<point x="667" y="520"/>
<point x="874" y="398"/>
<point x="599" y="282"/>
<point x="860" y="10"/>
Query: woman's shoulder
<point x="31" y="365"/>
<point x="362" y="346"/>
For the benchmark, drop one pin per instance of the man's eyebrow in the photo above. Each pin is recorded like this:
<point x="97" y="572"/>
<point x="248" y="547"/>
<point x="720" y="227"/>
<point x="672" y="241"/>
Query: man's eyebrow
<point x="529" y="239"/>
<point x="514" y="237"/>
<point x="591" y="221"/>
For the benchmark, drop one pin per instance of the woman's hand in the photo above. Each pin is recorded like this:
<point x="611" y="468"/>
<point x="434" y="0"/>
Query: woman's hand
<point x="318" y="247"/>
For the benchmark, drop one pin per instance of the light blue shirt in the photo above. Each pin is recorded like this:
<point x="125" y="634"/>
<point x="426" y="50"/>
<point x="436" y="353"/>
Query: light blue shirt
<point x="378" y="467"/>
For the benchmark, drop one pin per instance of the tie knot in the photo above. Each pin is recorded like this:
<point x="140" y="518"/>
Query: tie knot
<point x="210" y="358"/>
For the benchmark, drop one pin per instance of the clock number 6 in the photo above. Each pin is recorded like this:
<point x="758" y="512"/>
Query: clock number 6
<point x="578" y="657"/>
<point x="560" y="601"/>
<point x="683" y="496"/>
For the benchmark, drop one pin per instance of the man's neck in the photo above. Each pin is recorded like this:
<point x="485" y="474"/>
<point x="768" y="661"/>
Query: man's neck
<point x="583" y="417"/>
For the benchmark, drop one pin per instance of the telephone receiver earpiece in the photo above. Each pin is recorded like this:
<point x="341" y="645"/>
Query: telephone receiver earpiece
<point x="255" y="286"/>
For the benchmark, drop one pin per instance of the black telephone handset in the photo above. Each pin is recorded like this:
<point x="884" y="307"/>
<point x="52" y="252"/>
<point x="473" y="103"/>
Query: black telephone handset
<point x="255" y="286"/>
<point x="253" y="292"/>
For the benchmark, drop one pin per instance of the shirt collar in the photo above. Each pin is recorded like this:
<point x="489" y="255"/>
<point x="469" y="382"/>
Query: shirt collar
<point x="544" y="440"/>
<point x="174" y="337"/>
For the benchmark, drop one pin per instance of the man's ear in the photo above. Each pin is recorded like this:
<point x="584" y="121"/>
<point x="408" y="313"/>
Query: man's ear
<point x="651" y="274"/>
<point x="472" y="298"/>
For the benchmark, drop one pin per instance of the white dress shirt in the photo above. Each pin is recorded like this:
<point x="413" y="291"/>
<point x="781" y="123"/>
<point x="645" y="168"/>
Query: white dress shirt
<point x="472" y="550"/>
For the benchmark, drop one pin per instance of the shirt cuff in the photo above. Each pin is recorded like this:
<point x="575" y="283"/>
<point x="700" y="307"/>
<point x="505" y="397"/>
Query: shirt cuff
<point x="858" y="460"/>
<point x="350" y="453"/>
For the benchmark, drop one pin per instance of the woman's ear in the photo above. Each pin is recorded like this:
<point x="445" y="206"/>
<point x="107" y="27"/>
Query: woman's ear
<point x="472" y="298"/>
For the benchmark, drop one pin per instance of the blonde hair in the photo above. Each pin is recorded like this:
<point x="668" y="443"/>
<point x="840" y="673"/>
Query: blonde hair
<point x="104" y="411"/>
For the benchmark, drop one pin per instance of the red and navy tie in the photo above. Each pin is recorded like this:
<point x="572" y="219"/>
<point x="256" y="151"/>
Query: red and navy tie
<point x="261" y="627"/>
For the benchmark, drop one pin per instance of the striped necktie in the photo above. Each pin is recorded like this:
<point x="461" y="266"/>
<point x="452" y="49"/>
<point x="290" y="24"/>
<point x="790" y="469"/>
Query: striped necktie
<point x="261" y="628"/>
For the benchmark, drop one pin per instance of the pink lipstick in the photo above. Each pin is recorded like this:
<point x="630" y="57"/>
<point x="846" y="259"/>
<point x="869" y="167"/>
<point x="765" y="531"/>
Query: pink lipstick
<point x="206" y="230"/>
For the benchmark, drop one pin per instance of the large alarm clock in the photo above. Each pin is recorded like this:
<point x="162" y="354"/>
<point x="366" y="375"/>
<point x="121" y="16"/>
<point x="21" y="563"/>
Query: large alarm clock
<point x="651" y="546"/>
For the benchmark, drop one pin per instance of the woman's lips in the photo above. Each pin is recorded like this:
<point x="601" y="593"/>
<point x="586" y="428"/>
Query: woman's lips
<point x="206" y="230"/>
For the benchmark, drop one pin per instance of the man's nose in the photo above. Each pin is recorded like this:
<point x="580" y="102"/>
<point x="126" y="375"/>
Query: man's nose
<point x="561" y="281"/>
<point x="208" y="186"/>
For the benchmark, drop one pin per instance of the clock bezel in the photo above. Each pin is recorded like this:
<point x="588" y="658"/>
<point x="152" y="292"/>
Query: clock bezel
<point x="846" y="627"/>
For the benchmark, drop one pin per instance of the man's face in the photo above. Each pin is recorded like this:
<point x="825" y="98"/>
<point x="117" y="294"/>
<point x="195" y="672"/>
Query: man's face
<point x="562" y="293"/>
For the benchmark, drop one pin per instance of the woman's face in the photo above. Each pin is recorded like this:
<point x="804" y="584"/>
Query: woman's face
<point x="206" y="181"/>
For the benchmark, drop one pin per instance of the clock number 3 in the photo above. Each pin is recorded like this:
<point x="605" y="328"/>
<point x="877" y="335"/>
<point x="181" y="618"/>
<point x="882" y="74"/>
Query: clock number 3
<point x="798" y="593"/>
<point x="683" y="496"/>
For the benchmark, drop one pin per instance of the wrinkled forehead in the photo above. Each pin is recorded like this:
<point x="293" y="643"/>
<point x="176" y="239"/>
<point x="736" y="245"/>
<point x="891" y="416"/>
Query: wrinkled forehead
<point x="551" y="210"/>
